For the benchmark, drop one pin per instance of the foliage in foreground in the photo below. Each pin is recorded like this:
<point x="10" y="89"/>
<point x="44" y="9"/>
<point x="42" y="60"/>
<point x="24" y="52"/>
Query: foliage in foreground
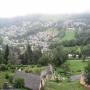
<point x="87" y="74"/>
<point x="19" y="83"/>
<point x="51" y="85"/>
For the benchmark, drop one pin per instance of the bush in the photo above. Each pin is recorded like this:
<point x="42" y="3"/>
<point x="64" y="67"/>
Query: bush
<point x="11" y="66"/>
<point x="37" y="70"/>
<point x="3" y="67"/>
<point x="10" y="79"/>
<point x="57" y="80"/>
<point x="19" y="83"/>
<point x="87" y="74"/>
<point x="7" y="76"/>
<point x="28" y="71"/>
<point x="6" y="85"/>
<point x="32" y="66"/>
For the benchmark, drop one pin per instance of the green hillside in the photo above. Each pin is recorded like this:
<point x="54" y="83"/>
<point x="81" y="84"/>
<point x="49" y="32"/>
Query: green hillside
<point x="69" y="35"/>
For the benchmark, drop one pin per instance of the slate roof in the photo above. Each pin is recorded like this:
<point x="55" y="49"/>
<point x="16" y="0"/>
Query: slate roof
<point x="31" y="81"/>
<point x="47" y="71"/>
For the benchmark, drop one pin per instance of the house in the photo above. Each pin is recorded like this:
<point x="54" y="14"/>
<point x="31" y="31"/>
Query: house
<point x="47" y="72"/>
<point x="32" y="81"/>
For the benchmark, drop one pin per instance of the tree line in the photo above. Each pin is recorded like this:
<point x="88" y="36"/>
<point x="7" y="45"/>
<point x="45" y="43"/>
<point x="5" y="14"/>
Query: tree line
<point x="55" y="56"/>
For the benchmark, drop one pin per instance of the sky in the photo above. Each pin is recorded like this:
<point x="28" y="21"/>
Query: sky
<point x="13" y="8"/>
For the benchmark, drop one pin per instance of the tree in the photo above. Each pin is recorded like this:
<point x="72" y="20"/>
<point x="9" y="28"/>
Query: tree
<point x="6" y="54"/>
<point x="85" y="52"/>
<point x="23" y="58"/>
<point x="87" y="74"/>
<point x="1" y="57"/>
<point x="44" y="60"/>
<point x="31" y="57"/>
<point x="29" y="54"/>
<point x="59" y="55"/>
<point x="37" y="54"/>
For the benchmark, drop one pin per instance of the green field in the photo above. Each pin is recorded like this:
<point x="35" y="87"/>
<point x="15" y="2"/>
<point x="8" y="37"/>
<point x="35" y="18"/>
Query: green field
<point x="69" y="35"/>
<point x="50" y="85"/>
<point x="76" y="66"/>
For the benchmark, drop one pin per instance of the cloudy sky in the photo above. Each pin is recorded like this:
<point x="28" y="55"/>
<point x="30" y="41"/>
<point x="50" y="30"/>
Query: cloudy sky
<point x="12" y="8"/>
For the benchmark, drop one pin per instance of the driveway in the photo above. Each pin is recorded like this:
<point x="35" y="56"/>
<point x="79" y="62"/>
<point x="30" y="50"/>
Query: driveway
<point x="75" y="77"/>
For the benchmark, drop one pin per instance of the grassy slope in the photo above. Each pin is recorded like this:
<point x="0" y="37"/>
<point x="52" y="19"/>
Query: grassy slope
<point x="75" y="66"/>
<point x="69" y="35"/>
<point x="63" y="86"/>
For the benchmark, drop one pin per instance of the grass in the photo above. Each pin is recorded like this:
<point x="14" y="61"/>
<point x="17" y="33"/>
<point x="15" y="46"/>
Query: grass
<point x="77" y="66"/>
<point x="51" y="85"/>
<point x="2" y="77"/>
<point x="33" y="69"/>
<point x="69" y="35"/>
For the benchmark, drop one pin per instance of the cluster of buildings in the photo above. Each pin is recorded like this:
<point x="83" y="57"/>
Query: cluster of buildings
<point x="14" y="36"/>
<point x="17" y="34"/>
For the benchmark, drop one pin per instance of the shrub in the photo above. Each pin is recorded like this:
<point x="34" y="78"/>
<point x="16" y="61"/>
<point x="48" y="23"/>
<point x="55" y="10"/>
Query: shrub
<point x="57" y="80"/>
<point x="3" y="67"/>
<point x="19" y="83"/>
<point x="5" y="85"/>
<point x="28" y="71"/>
<point x="32" y="66"/>
<point x="87" y="74"/>
<point x="37" y="70"/>
<point x="11" y="66"/>
<point x="10" y="79"/>
<point x="6" y="76"/>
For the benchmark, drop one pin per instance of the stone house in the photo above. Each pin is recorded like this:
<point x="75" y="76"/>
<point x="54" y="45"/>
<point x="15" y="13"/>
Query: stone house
<point x="33" y="81"/>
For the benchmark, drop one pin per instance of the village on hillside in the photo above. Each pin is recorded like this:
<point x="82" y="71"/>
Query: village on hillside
<point x="45" y="52"/>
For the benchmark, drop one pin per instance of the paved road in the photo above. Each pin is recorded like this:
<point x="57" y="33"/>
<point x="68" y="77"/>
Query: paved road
<point x="75" y="77"/>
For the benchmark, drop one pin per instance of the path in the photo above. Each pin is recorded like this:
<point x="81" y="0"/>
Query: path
<point x="75" y="77"/>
